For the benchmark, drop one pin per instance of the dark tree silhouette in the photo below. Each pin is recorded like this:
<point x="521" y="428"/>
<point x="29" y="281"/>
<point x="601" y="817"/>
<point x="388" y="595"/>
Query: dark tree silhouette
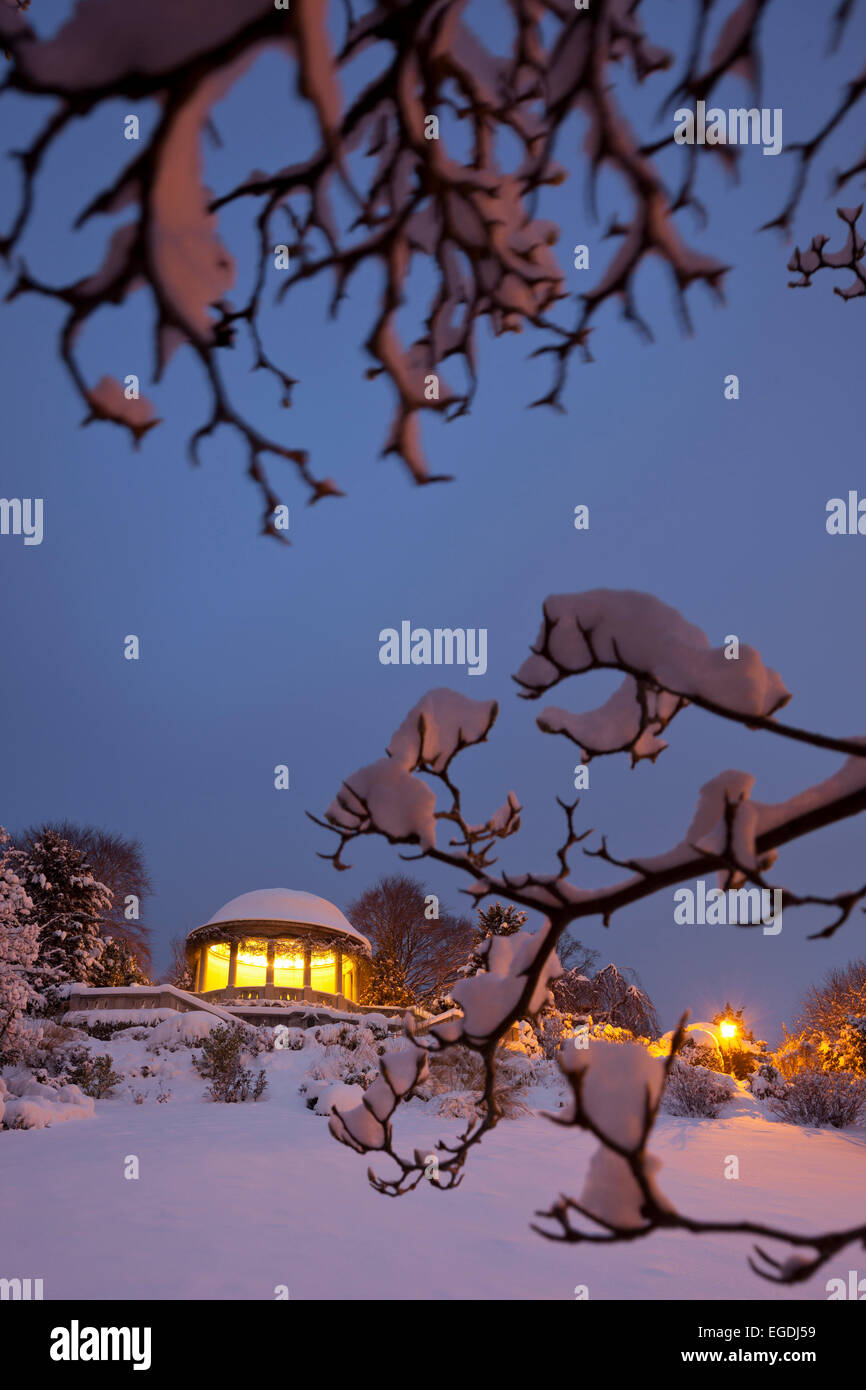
<point x="373" y="189"/>
<point x="427" y="952"/>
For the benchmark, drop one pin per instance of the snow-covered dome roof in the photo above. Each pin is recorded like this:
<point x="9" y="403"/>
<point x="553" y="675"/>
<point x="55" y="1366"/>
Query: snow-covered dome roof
<point x="286" y="905"/>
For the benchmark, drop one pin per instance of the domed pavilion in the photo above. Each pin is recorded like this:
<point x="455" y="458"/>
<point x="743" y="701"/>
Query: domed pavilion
<point x="278" y="944"/>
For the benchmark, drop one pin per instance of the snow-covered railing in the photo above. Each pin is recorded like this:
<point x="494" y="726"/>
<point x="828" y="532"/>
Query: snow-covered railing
<point x="83" y="998"/>
<point x="423" y="1025"/>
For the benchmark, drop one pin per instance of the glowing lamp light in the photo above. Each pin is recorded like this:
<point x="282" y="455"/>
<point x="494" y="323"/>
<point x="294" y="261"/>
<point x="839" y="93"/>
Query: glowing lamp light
<point x="728" y="1029"/>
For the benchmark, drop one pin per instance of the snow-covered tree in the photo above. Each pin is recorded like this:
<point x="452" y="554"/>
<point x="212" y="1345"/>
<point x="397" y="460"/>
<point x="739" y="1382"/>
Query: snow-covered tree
<point x="118" y="863"/>
<point x="666" y="664"/>
<point x="830" y="1030"/>
<point x="69" y="905"/>
<point x="492" y="921"/>
<point x="429" y="144"/>
<point x="574" y="955"/>
<point x="19" y="945"/>
<point x="118" y="965"/>
<point x="610" y="998"/>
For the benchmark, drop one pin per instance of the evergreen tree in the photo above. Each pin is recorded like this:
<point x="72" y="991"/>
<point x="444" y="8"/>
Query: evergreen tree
<point x="19" y="945"/>
<point x="387" y="984"/>
<point x="68" y="906"/>
<point x="118" y="863"/>
<point x="492" y="921"/>
<point x="118" y="965"/>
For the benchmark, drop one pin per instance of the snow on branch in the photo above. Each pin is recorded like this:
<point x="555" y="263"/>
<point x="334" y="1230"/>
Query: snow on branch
<point x="849" y="257"/>
<point x="616" y="1089"/>
<point x="667" y="663"/>
<point x="386" y="798"/>
<point x="380" y="187"/>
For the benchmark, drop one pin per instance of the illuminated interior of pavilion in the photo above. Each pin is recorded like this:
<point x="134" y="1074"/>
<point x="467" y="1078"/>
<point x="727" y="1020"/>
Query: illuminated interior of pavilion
<point x="278" y="943"/>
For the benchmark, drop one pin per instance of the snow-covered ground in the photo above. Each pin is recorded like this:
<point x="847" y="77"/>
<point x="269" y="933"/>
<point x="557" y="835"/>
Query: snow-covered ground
<point x="234" y="1200"/>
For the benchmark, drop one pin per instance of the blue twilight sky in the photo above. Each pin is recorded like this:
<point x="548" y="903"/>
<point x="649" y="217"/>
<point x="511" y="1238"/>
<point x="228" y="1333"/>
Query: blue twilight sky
<point x="254" y="654"/>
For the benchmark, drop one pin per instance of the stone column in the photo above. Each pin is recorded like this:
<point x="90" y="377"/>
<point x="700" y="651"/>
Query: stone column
<point x="338" y="972"/>
<point x="269" y="971"/>
<point x="202" y="969"/>
<point x="233" y="965"/>
<point x="308" y="967"/>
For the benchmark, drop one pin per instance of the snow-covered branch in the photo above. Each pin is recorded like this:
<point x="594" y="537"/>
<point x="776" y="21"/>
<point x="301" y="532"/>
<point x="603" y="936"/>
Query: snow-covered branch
<point x="667" y="664"/>
<point x="848" y="257"/>
<point x="615" y="1096"/>
<point x="385" y="184"/>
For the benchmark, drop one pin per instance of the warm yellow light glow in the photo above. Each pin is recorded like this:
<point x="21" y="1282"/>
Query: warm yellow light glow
<point x="288" y="966"/>
<point x="728" y="1029"/>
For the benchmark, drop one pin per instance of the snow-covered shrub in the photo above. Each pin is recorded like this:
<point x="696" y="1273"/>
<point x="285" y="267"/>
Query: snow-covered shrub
<point x="698" y="1056"/>
<point x="695" y="1090"/>
<point x="378" y="1026"/>
<point x="767" y="1081"/>
<point x="459" y="1071"/>
<point x="345" y="1035"/>
<point x="740" y="1062"/>
<point x="185" y="1030"/>
<point x="26" y="1103"/>
<point x="96" y="1076"/>
<point x="799" y="1052"/>
<point x="343" y="1053"/>
<point x="323" y="1096"/>
<point x="612" y="1032"/>
<point x="104" y="1032"/>
<point x="835" y="1098"/>
<point x="552" y="1027"/>
<point x="526" y="1040"/>
<point x="52" y="1050"/>
<point x="222" y="1063"/>
<point x="288" y="1039"/>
